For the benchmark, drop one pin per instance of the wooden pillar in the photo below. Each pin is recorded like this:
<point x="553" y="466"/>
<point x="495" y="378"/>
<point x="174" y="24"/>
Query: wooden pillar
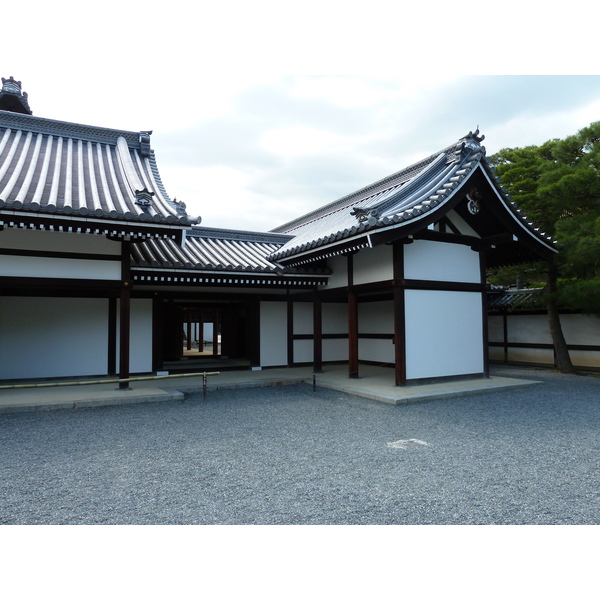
<point x="290" y="330"/>
<point x="189" y="329"/>
<point x="484" y="316"/>
<point x="399" y="315"/>
<point x="352" y="322"/>
<point x="216" y="332"/>
<point x="112" y="336"/>
<point x="201" y="332"/>
<point x="317" y="335"/>
<point x="125" y="316"/>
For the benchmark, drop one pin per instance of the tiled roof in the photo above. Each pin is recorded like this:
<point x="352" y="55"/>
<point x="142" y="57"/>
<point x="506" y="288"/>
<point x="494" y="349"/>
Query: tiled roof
<point x="406" y="197"/>
<point x="213" y="250"/>
<point x="219" y="256"/>
<point x="73" y="170"/>
<point x="511" y="299"/>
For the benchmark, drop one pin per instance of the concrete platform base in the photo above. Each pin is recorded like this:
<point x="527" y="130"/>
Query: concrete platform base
<point x="375" y="383"/>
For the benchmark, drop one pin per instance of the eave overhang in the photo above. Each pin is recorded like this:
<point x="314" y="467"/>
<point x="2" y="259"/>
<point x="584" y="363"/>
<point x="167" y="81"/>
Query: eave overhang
<point x="454" y="174"/>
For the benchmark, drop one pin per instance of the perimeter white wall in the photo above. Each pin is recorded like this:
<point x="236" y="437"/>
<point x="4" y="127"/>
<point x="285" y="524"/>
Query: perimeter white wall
<point x="581" y="330"/>
<point x="53" y="337"/>
<point x="273" y="334"/>
<point x="444" y="333"/>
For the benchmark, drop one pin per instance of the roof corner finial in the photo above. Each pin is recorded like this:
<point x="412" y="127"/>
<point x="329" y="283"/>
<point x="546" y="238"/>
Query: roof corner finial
<point x="474" y="138"/>
<point x="12" y="99"/>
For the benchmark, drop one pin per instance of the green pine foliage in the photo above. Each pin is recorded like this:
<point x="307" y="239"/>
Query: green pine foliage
<point x="557" y="185"/>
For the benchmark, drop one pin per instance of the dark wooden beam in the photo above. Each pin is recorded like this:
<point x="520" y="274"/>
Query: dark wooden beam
<point x="399" y="316"/>
<point x="317" y="335"/>
<point x="125" y="317"/>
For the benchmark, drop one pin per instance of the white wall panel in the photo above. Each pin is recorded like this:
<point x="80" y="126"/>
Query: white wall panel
<point x="334" y="318"/>
<point x="303" y="351"/>
<point x="444" y="334"/>
<point x="303" y="318"/>
<point x="376" y="317"/>
<point x="140" y="355"/>
<point x="437" y="261"/>
<point x="335" y="349"/>
<point x="373" y="264"/>
<point x="53" y="337"/>
<point x="30" y="266"/>
<point x="381" y="351"/>
<point x="273" y="334"/>
<point x="56" y="241"/>
<point x="339" y="267"/>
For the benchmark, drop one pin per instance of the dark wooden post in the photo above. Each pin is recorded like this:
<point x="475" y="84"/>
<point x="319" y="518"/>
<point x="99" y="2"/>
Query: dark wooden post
<point x="125" y="316"/>
<point x="399" y="315"/>
<point x="352" y="322"/>
<point x="484" y="315"/>
<point x="290" y="330"/>
<point x="112" y="336"/>
<point x="317" y="335"/>
<point x="201" y="332"/>
<point x="216" y="332"/>
<point x="189" y="329"/>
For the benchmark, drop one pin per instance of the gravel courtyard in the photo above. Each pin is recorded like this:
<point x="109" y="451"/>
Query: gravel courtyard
<point x="288" y="455"/>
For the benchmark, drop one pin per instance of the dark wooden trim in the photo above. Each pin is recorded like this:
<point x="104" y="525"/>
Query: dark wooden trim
<point x="290" y="330"/>
<point x="442" y="286"/>
<point x="112" y="336"/>
<point x="254" y="331"/>
<point x="484" y="317"/>
<point x="375" y="336"/>
<point x="399" y="316"/>
<point x="125" y="316"/>
<point x="216" y="320"/>
<point x="352" y="335"/>
<point x="318" y="335"/>
<point x="51" y="254"/>
<point x="53" y="284"/>
<point x="534" y="346"/>
<point x="324" y="336"/>
<point x="157" y="333"/>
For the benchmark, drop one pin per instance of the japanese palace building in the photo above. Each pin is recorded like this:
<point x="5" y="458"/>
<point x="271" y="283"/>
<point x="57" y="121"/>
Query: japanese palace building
<point x="102" y="273"/>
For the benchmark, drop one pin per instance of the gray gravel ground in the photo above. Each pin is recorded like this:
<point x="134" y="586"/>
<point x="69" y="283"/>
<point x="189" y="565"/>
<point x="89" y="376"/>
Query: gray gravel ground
<point x="288" y="455"/>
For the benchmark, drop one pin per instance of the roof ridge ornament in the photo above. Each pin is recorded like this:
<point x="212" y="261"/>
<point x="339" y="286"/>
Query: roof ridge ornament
<point x="144" y="197"/>
<point x="468" y="144"/>
<point x="12" y="98"/>
<point x="362" y="214"/>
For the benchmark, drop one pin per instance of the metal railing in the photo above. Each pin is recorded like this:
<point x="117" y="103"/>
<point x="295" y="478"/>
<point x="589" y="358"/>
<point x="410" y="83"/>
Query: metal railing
<point x="18" y="386"/>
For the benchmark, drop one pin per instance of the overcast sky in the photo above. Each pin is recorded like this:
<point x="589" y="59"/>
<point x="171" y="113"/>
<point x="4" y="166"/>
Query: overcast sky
<point x="245" y="143"/>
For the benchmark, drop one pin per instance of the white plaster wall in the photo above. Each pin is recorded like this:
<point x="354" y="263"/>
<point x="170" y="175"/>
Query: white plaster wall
<point x="140" y="342"/>
<point x="495" y="328"/>
<point x="303" y="351"/>
<point x="334" y="318"/>
<point x="303" y="318"/>
<point x="376" y="350"/>
<point x="56" y="241"/>
<point x="30" y="266"/>
<point x="376" y="317"/>
<point x="273" y="334"/>
<point x="436" y="261"/>
<point x="373" y="264"/>
<point x="339" y="267"/>
<point x="53" y="337"/>
<point x="529" y="328"/>
<point x="444" y="334"/>
<point x="335" y="349"/>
